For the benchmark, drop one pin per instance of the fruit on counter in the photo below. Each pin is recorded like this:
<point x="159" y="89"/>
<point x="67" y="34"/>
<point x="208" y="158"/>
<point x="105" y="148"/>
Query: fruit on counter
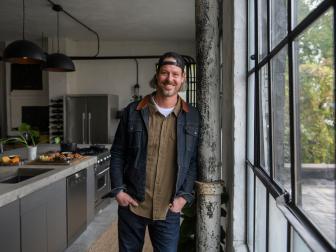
<point x="5" y="159"/>
<point x="46" y="158"/>
<point x="54" y="156"/>
<point x="10" y="160"/>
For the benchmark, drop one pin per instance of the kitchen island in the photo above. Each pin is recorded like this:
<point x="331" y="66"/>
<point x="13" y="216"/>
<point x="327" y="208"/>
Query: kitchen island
<point x="11" y="192"/>
<point x="33" y="212"/>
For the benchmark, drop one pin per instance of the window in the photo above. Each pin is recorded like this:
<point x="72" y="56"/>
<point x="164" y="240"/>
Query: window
<point x="291" y="171"/>
<point x="191" y="81"/>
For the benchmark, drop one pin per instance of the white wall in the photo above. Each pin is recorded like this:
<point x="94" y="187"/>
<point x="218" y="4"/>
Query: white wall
<point x="234" y="121"/>
<point x="94" y="76"/>
<point x="118" y="76"/>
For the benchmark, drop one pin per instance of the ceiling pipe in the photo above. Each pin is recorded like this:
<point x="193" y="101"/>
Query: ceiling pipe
<point x="188" y="59"/>
<point x="60" y="8"/>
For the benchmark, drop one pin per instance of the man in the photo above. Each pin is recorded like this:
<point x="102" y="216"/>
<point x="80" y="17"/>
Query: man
<point x="153" y="164"/>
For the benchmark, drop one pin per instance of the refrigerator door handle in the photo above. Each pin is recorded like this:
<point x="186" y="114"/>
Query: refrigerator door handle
<point x="83" y="128"/>
<point x="89" y="130"/>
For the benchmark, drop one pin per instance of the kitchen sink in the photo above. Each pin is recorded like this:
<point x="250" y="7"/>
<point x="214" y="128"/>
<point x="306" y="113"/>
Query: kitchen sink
<point x="22" y="174"/>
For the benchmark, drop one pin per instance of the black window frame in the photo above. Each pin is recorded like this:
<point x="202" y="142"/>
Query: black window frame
<point x="190" y="80"/>
<point x="295" y="217"/>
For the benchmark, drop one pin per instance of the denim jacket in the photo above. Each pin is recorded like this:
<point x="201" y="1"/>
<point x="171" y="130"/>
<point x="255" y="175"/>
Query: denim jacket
<point x="129" y="151"/>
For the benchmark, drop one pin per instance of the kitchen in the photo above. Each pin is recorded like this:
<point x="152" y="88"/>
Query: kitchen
<point x="130" y="46"/>
<point x="252" y="60"/>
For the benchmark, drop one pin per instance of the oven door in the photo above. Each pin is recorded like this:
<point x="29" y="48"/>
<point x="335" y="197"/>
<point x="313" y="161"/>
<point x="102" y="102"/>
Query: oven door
<point x="103" y="185"/>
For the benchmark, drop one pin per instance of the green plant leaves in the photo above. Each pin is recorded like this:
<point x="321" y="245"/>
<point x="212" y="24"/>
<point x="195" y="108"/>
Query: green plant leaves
<point x="27" y="136"/>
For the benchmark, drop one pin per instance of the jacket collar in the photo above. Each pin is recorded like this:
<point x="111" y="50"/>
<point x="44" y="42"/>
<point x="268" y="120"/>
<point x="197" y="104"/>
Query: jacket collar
<point x="144" y="103"/>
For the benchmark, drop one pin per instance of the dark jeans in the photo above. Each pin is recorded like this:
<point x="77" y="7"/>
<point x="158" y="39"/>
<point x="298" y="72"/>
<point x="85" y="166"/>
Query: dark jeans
<point x="164" y="234"/>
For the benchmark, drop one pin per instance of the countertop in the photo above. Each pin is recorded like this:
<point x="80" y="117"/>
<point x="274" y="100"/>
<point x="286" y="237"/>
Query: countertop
<point x="11" y="192"/>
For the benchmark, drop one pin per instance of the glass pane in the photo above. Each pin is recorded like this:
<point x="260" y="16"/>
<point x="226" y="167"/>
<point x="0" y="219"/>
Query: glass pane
<point x="250" y="207"/>
<point x="298" y="244"/>
<point x="251" y="34"/>
<point x="277" y="228"/>
<point x="280" y="118"/>
<point x="262" y="29"/>
<point x="260" y="215"/>
<point x="264" y="120"/>
<point x="250" y="119"/>
<point x="278" y="26"/>
<point x="314" y="69"/>
<point x="301" y="8"/>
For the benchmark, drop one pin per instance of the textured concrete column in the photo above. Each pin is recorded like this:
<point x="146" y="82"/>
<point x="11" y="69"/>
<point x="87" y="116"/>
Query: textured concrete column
<point x="209" y="188"/>
<point x="208" y="216"/>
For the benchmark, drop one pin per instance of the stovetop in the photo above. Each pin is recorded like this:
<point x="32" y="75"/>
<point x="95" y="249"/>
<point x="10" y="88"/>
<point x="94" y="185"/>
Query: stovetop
<point x="100" y="151"/>
<point x="93" y="150"/>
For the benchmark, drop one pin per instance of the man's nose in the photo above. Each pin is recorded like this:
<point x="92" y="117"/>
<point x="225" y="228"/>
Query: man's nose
<point x="170" y="77"/>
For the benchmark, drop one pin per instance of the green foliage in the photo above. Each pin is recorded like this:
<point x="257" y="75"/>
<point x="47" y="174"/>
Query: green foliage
<point x="56" y="140"/>
<point x="317" y="101"/>
<point x="27" y="136"/>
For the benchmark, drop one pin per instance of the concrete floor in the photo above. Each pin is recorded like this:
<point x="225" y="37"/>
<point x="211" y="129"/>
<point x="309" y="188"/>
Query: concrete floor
<point x="99" y="224"/>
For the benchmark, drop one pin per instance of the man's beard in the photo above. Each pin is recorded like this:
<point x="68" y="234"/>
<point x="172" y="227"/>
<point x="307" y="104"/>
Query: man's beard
<point x="168" y="93"/>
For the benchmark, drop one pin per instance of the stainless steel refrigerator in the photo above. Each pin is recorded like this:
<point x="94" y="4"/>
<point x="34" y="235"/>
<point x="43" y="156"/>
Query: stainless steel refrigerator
<point x="91" y="119"/>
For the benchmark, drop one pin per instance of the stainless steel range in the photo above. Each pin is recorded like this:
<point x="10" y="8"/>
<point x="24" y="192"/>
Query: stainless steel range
<point x="102" y="173"/>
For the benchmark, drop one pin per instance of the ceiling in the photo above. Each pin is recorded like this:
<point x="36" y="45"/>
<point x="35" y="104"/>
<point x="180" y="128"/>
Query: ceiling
<point x="131" y="20"/>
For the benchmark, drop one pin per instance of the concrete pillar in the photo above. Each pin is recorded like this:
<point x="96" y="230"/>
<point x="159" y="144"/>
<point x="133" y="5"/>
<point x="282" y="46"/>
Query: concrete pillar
<point x="209" y="188"/>
<point x="208" y="216"/>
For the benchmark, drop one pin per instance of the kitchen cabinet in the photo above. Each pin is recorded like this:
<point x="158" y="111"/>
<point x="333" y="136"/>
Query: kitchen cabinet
<point x="76" y="204"/>
<point x="90" y="119"/>
<point x="43" y="219"/>
<point x="90" y="190"/>
<point x="10" y="227"/>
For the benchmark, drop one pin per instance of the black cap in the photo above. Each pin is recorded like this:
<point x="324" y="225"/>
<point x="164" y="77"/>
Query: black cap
<point x="179" y="61"/>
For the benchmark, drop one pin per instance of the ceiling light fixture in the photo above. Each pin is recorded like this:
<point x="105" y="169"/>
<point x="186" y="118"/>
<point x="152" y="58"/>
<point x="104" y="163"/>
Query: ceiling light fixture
<point x="23" y="51"/>
<point x="58" y="62"/>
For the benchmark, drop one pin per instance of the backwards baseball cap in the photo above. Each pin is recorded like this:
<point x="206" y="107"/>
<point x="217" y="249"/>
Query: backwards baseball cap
<point x="166" y="59"/>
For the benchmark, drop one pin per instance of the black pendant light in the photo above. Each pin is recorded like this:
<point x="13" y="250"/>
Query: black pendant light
<point x="23" y="51"/>
<point x="58" y="62"/>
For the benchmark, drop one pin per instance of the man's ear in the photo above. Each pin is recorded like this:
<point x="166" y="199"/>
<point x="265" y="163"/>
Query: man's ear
<point x="184" y="75"/>
<point x="153" y="82"/>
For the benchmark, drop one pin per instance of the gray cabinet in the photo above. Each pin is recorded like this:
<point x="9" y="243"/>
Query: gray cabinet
<point x="43" y="219"/>
<point x="10" y="227"/>
<point x="90" y="190"/>
<point x="90" y="119"/>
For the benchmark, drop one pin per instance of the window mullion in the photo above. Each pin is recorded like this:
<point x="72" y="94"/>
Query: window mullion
<point x="289" y="238"/>
<point x="256" y="84"/>
<point x="335" y="64"/>
<point x="291" y="103"/>
<point x="270" y="117"/>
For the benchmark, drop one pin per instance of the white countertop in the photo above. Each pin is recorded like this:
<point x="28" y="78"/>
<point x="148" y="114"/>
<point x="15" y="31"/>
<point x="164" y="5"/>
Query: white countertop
<point x="11" y="192"/>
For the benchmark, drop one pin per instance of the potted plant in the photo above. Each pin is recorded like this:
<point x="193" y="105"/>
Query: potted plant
<point x="28" y="137"/>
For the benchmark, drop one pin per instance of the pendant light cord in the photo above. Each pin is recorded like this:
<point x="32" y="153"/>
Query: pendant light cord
<point x="60" y="8"/>
<point x="57" y="32"/>
<point x="23" y="19"/>
<point x="137" y="71"/>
